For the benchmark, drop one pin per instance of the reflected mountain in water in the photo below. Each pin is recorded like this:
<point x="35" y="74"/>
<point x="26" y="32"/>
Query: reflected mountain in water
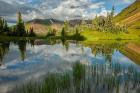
<point x="132" y="51"/>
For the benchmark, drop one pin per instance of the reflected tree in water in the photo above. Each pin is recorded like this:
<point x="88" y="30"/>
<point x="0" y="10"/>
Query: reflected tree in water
<point x="22" y="48"/>
<point x="105" y="50"/>
<point x="4" y="48"/>
<point x="31" y="42"/>
<point x="65" y="43"/>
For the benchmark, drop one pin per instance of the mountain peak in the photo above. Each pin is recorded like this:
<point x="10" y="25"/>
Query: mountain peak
<point x="45" y="21"/>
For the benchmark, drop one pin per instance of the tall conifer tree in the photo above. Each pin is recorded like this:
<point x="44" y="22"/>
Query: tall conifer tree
<point x="20" y="28"/>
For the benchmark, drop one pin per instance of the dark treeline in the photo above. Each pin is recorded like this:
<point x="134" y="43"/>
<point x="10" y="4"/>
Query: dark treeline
<point x="16" y="30"/>
<point x="75" y="35"/>
<point x="67" y="33"/>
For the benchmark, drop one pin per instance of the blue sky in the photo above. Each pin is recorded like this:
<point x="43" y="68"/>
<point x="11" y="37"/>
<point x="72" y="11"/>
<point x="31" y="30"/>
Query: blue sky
<point x="61" y="9"/>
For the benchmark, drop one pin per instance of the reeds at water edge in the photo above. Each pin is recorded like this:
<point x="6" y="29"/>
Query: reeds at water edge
<point x="87" y="79"/>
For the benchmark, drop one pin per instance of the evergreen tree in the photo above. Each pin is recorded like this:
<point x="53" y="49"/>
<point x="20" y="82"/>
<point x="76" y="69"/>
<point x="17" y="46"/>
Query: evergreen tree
<point x="51" y="32"/>
<point x="1" y="25"/>
<point x="66" y="25"/>
<point x="63" y="36"/>
<point x="4" y="29"/>
<point x="95" y="21"/>
<point x="106" y="24"/>
<point x="22" y="48"/>
<point x="112" y="12"/>
<point x="4" y="48"/>
<point x="63" y="32"/>
<point x="31" y="32"/>
<point x="20" y="27"/>
<point x="77" y="32"/>
<point x="13" y="31"/>
<point x="110" y="17"/>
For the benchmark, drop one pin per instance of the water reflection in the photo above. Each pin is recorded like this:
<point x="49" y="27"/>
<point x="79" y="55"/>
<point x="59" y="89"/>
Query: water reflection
<point x="4" y="48"/>
<point x="22" y="48"/>
<point x="88" y="79"/>
<point x="22" y="44"/>
<point x="37" y="57"/>
<point x="106" y="50"/>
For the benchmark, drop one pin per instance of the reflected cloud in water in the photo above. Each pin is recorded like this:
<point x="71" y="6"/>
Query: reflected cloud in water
<point x="22" y="62"/>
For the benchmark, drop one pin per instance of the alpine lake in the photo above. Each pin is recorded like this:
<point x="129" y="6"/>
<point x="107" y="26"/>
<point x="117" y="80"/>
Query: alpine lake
<point x="111" y="66"/>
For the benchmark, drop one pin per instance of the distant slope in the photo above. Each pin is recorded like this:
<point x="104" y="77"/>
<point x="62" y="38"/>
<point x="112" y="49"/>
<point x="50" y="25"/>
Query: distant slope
<point x="79" y="21"/>
<point x="130" y="15"/>
<point x="46" y="21"/>
<point x="41" y="26"/>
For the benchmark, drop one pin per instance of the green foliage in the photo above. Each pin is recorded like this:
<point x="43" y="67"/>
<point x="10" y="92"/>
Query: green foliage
<point x="51" y="32"/>
<point x="77" y="32"/>
<point x="77" y="36"/>
<point x="106" y="50"/>
<point x="63" y="34"/>
<point x="66" y="26"/>
<point x="106" y="24"/>
<point x="78" y="72"/>
<point x="31" y="33"/>
<point x="20" y="27"/>
<point x="94" y="35"/>
<point x="17" y="30"/>
<point x="4" y="48"/>
<point x="20" y="42"/>
<point x="22" y="48"/>
<point x="4" y="29"/>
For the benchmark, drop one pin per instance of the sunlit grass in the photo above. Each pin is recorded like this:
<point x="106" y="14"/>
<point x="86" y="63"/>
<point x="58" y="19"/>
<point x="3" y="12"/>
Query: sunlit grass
<point x="96" y="35"/>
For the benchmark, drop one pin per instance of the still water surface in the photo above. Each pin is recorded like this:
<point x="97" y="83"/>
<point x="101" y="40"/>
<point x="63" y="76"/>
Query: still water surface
<point x="22" y="61"/>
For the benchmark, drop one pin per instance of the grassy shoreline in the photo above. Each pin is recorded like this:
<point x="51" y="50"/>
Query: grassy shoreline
<point x="96" y="35"/>
<point x="89" y="35"/>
